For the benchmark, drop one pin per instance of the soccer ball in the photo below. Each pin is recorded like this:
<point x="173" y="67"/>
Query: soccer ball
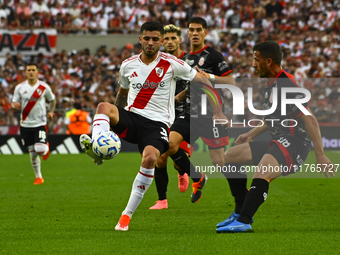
<point x="106" y="145"/>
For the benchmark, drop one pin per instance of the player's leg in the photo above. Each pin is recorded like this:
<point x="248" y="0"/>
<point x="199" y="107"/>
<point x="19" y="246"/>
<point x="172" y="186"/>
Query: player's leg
<point x="183" y="178"/>
<point x="106" y="115"/>
<point x="151" y="144"/>
<point x="41" y="143"/>
<point x="29" y="137"/>
<point x="141" y="183"/>
<point x="161" y="181"/>
<point x="255" y="197"/>
<point x="235" y="157"/>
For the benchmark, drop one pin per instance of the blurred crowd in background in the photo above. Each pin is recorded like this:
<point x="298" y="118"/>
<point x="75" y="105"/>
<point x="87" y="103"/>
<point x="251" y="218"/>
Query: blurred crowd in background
<point x="308" y="32"/>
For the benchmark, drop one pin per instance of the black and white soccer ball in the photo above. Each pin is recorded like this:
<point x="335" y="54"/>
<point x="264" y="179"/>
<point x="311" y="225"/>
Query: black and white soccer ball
<point x="106" y="145"/>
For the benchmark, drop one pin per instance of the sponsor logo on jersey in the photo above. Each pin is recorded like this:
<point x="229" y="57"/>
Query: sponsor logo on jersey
<point x="148" y="84"/>
<point x="189" y="62"/>
<point x="222" y="65"/>
<point x="159" y="71"/>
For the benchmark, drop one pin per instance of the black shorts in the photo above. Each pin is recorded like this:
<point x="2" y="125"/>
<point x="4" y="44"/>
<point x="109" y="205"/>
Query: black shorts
<point x="215" y="137"/>
<point x="139" y="130"/>
<point x="182" y="126"/>
<point x="30" y="136"/>
<point x="287" y="150"/>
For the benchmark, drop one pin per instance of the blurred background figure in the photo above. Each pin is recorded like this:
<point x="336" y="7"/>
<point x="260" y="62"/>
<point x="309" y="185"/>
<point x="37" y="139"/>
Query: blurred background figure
<point x="78" y="121"/>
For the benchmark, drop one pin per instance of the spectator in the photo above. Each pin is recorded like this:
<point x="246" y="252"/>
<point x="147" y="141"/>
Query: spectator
<point x="39" y="6"/>
<point x="23" y="8"/>
<point x="78" y="122"/>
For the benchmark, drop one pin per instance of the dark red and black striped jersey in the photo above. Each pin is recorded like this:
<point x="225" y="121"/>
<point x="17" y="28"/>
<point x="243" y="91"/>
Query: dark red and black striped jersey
<point x="289" y="124"/>
<point x="210" y="61"/>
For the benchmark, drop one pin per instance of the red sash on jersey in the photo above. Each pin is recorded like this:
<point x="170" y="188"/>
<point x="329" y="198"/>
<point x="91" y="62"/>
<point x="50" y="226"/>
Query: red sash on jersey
<point x="132" y="14"/>
<point x="144" y="95"/>
<point x="33" y="100"/>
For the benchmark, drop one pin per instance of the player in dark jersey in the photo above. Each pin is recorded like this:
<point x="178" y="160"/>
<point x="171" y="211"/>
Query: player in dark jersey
<point x="172" y="41"/>
<point x="287" y="150"/>
<point x="210" y="61"/>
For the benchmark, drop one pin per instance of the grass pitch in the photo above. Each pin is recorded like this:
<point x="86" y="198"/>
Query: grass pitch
<point x="76" y="209"/>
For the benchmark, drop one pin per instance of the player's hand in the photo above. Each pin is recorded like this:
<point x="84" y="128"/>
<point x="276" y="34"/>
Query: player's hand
<point x="16" y="106"/>
<point x="326" y="165"/>
<point x="244" y="138"/>
<point x="50" y="115"/>
<point x="176" y="100"/>
<point x="221" y="119"/>
<point x="206" y="75"/>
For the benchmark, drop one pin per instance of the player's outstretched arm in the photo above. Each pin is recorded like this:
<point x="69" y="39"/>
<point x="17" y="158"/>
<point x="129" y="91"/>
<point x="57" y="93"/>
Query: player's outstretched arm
<point x="212" y="96"/>
<point x="121" y="97"/>
<point x="180" y="96"/>
<point x="228" y="79"/>
<point x="249" y="136"/>
<point x="313" y="130"/>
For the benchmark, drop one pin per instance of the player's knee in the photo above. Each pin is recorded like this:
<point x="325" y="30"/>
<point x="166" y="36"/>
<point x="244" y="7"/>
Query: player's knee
<point x="40" y="148"/>
<point x="173" y="148"/>
<point x="149" y="160"/>
<point x="104" y="108"/>
<point x="162" y="161"/>
<point x="231" y="156"/>
<point x="217" y="161"/>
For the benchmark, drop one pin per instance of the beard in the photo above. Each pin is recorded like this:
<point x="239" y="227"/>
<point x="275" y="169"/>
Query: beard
<point x="150" y="53"/>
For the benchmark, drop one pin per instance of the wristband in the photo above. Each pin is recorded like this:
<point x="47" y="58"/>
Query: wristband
<point x="212" y="77"/>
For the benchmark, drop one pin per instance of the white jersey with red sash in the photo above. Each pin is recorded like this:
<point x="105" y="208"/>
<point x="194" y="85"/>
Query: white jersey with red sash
<point x="152" y="87"/>
<point x="32" y="99"/>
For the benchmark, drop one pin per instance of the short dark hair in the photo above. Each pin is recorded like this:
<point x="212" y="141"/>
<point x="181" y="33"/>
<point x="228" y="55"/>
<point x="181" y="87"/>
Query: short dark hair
<point x="32" y="64"/>
<point x="198" y="20"/>
<point x="270" y="49"/>
<point x="152" y="26"/>
<point x="172" y="29"/>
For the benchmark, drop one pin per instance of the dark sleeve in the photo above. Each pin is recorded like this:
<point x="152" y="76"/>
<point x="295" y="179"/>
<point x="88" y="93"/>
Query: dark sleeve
<point x="221" y="67"/>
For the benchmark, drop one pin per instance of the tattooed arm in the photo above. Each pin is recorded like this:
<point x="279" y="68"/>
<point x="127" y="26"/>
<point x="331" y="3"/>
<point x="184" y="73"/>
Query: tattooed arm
<point x="121" y="97"/>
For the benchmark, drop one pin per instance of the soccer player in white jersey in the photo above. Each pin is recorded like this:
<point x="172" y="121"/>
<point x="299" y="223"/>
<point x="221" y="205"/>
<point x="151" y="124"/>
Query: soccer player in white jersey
<point x="30" y="97"/>
<point x="147" y="85"/>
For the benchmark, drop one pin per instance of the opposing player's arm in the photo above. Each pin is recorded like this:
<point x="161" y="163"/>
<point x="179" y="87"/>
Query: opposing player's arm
<point x="256" y="131"/>
<point x="227" y="79"/>
<point x="212" y="96"/>
<point x="121" y="97"/>
<point x="180" y="96"/>
<point x="313" y="130"/>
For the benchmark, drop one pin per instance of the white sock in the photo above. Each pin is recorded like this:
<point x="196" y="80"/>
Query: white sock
<point x="35" y="161"/>
<point x="140" y="185"/>
<point x="101" y="122"/>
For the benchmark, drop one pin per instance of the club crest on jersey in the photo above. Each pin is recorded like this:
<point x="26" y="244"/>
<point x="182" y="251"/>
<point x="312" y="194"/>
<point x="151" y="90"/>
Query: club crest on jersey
<point x="201" y="61"/>
<point x="159" y="71"/>
<point x="39" y="91"/>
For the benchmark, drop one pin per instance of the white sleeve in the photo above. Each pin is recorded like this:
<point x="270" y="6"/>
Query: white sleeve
<point x="183" y="70"/>
<point x="16" y="97"/>
<point x="123" y="81"/>
<point x="49" y="94"/>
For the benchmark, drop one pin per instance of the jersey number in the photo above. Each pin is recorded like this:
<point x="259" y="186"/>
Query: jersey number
<point x="215" y="131"/>
<point x="42" y="135"/>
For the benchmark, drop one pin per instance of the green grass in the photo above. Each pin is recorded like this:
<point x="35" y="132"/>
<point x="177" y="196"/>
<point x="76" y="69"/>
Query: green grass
<point x="76" y="209"/>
